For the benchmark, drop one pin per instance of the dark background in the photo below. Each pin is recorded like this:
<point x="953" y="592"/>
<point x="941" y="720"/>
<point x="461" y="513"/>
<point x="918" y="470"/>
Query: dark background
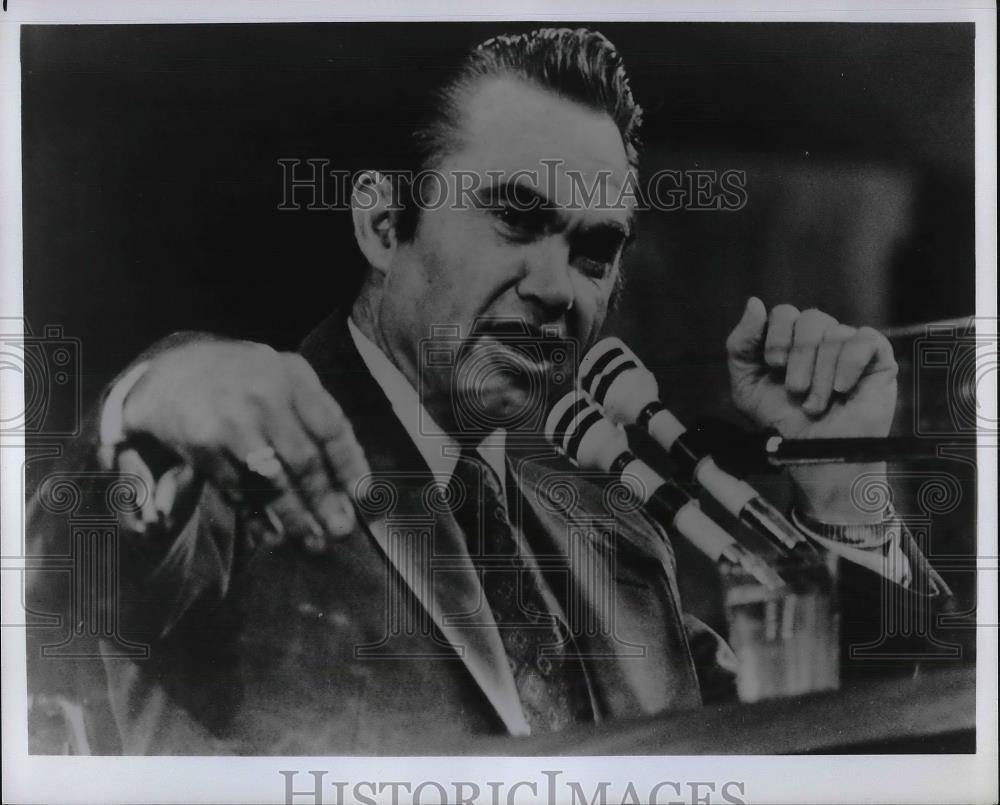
<point x="151" y="188"/>
<point x="151" y="181"/>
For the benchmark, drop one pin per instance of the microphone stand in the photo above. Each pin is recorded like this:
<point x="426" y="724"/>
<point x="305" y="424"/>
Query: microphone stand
<point x="782" y="452"/>
<point x="737" y="450"/>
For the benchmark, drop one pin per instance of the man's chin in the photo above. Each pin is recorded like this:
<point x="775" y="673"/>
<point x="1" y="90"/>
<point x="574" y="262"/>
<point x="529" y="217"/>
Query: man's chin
<point x="505" y="385"/>
<point x="512" y="405"/>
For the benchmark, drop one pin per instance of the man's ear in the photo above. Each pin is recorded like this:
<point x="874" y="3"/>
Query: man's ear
<point x="374" y="214"/>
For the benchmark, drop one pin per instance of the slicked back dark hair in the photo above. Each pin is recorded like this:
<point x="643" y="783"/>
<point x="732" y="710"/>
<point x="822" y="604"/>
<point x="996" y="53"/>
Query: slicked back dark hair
<point x="577" y="64"/>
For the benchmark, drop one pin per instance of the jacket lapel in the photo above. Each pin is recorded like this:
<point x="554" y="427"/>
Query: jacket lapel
<point x="624" y="584"/>
<point x="543" y="477"/>
<point x="414" y="530"/>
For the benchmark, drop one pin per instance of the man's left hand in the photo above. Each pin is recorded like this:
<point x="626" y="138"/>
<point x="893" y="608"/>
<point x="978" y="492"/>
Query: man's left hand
<point x="808" y="376"/>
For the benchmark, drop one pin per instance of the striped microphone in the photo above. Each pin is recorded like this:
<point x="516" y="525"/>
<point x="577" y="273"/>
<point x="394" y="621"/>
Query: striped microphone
<point x="587" y="437"/>
<point x="628" y="393"/>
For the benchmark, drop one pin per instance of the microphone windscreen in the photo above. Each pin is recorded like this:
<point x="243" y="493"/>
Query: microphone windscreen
<point x="597" y="358"/>
<point x="562" y="416"/>
<point x="626" y="390"/>
<point x="578" y="428"/>
<point x="600" y="442"/>
<point x="617" y="380"/>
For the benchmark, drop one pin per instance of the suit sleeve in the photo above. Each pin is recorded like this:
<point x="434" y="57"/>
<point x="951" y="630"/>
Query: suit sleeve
<point x="103" y="488"/>
<point x="101" y="583"/>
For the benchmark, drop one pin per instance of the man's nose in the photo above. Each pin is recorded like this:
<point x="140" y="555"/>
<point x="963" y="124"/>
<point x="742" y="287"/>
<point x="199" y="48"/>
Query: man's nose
<point x="547" y="278"/>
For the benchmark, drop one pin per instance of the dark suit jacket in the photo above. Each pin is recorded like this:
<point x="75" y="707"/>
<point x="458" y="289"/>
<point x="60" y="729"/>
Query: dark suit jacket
<point x="377" y="646"/>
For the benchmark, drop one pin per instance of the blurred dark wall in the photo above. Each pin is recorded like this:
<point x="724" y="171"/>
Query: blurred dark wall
<point x="151" y="185"/>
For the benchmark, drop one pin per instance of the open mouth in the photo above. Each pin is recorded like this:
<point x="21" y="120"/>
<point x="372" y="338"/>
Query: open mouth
<point x="504" y="358"/>
<point x="526" y="345"/>
<point x="506" y="371"/>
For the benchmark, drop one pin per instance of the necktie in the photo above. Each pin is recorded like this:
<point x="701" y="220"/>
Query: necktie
<point x="548" y="673"/>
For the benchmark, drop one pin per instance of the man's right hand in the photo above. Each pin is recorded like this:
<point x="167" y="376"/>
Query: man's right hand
<point x="217" y="402"/>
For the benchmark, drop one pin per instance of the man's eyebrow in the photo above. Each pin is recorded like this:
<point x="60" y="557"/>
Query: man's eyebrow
<point x="504" y="189"/>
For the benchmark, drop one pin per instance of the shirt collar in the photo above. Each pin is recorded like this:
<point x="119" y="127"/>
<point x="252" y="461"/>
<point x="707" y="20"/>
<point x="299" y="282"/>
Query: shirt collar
<point x="437" y="448"/>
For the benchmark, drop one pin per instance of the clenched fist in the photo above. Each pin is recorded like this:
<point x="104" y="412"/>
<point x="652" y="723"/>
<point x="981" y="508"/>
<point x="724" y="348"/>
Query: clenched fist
<point x="216" y="403"/>
<point x="806" y="375"/>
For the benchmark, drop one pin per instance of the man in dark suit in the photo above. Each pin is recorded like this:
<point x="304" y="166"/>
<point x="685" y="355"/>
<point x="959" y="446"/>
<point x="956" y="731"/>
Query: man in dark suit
<point x="327" y="559"/>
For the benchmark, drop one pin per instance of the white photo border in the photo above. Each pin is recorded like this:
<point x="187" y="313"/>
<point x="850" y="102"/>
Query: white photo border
<point x="801" y="780"/>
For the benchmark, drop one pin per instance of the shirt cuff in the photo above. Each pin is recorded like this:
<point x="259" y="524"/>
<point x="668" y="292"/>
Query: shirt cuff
<point x="117" y="453"/>
<point x="877" y="547"/>
<point x="112" y="424"/>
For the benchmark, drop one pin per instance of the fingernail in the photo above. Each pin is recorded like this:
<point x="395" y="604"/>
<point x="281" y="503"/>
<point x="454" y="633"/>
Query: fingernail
<point x="338" y="514"/>
<point x="813" y="403"/>
<point x="314" y="543"/>
<point x="344" y="502"/>
<point x="314" y="527"/>
<point x="776" y="357"/>
<point x="276" y="533"/>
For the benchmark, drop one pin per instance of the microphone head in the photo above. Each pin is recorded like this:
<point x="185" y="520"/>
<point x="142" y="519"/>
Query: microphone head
<point x="617" y="380"/>
<point x="588" y="438"/>
<point x="561" y="417"/>
<point x="597" y="358"/>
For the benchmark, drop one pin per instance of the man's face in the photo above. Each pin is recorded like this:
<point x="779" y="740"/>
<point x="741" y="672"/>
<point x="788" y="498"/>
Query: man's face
<point x="525" y="246"/>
